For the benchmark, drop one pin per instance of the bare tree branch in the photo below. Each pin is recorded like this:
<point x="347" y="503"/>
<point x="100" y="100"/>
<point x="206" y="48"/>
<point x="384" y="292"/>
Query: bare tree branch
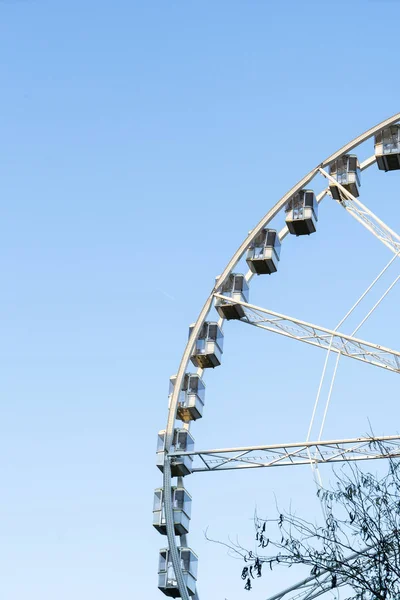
<point x="357" y="544"/>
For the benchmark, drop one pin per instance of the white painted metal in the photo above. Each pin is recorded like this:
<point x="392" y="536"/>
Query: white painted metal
<point x="363" y="295"/>
<point x="291" y="454"/>
<point x="285" y="231"/>
<point x="321" y="337"/>
<point x="367" y="163"/>
<point x="340" y="354"/>
<point x="367" y="218"/>
<point x="202" y="316"/>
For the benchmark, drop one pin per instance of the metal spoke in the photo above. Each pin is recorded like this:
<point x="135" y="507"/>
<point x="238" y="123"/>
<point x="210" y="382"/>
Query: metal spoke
<point x="321" y="337"/>
<point x="366" y="217"/>
<point x="330" y="451"/>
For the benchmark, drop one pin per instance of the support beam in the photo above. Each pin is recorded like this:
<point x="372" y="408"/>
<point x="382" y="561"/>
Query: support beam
<point x="366" y="217"/>
<point x="324" y="338"/>
<point x="291" y="454"/>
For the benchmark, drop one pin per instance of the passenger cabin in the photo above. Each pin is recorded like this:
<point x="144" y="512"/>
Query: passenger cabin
<point x="207" y="352"/>
<point x="166" y="575"/>
<point x="302" y="213"/>
<point x="387" y="148"/>
<point x="182" y="441"/>
<point x="181" y="506"/>
<point x="263" y="253"/>
<point x="235" y="287"/>
<point x="346" y="171"/>
<point x="191" y="397"/>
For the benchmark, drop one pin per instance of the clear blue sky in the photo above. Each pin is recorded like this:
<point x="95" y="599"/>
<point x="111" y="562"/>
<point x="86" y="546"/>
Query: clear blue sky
<point x="140" y="141"/>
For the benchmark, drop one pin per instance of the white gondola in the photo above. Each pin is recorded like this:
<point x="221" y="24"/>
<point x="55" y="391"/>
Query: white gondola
<point x="387" y="148"/>
<point x="346" y="171"/>
<point x="180" y="465"/>
<point x="263" y="254"/>
<point x="302" y="213"/>
<point x="181" y="503"/>
<point x="207" y="352"/>
<point x="191" y="397"/>
<point x="166" y="576"/>
<point x="235" y="287"/>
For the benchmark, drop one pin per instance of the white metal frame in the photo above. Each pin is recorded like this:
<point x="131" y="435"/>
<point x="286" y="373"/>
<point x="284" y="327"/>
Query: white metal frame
<point x="316" y="335"/>
<point x="291" y="454"/>
<point x="366" y="217"/>
<point x="362" y="211"/>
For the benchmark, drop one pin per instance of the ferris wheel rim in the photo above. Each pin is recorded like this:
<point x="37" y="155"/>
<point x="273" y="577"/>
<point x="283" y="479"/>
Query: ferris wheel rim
<point x="172" y="411"/>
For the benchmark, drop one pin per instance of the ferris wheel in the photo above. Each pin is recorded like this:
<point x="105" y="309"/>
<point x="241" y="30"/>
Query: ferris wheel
<point x="259" y="253"/>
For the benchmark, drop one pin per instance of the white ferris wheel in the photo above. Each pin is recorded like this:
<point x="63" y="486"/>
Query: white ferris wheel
<point x="259" y="254"/>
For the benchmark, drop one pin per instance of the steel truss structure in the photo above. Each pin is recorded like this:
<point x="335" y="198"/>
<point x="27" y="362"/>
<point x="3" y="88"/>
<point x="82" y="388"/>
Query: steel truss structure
<point x="291" y="454"/>
<point x="321" y="337"/>
<point x="330" y="340"/>
<point x="367" y="218"/>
